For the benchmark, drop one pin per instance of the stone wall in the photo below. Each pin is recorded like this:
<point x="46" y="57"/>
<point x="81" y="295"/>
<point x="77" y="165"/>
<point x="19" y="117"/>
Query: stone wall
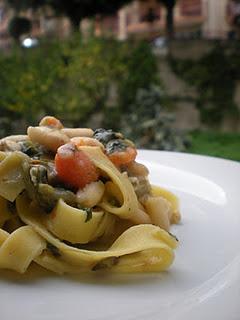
<point x="183" y="95"/>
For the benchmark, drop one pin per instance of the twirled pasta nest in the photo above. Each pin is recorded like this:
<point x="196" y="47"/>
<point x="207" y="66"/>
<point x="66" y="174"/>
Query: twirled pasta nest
<point x="74" y="200"/>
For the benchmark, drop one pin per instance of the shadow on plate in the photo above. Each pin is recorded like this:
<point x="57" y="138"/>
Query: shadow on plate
<point x="35" y="273"/>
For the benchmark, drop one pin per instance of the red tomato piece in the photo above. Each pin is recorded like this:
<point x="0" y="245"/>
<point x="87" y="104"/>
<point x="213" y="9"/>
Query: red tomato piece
<point x="120" y="158"/>
<point x="74" y="167"/>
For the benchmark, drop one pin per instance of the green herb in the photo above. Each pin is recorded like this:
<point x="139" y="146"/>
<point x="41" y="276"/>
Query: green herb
<point x="38" y="189"/>
<point x="104" y="179"/>
<point x="172" y="235"/>
<point x="38" y="174"/>
<point x="51" y="174"/>
<point x="88" y="212"/>
<point x="11" y="206"/>
<point x="116" y="146"/>
<point x="53" y="249"/>
<point x="74" y="245"/>
<point x="114" y="202"/>
<point x="31" y="149"/>
<point x="27" y="180"/>
<point x="104" y="136"/>
<point x="48" y="196"/>
<point x="106" y="263"/>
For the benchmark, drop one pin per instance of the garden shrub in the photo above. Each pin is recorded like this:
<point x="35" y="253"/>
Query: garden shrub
<point x="142" y="72"/>
<point x="150" y="124"/>
<point x="72" y="79"/>
<point x="75" y="80"/>
<point x="214" y="75"/>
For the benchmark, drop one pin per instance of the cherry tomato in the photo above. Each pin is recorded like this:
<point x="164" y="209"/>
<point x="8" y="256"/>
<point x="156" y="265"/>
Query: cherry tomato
<point x="125" y="157"/>
<point x="74" y="167"/>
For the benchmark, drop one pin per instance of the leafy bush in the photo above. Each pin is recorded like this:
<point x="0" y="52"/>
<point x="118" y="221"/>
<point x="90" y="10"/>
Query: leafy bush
<point x="142" y="73"/>
<point x="92" y="70"/>
<point x="27" y="83"/>
<point x="214" y="76"/>
<point x="73" y="80"/>
<point x="150" y="125"/>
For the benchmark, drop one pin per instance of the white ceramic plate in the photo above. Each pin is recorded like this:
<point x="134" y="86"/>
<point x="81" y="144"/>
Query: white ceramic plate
<point x="203" y="283"/>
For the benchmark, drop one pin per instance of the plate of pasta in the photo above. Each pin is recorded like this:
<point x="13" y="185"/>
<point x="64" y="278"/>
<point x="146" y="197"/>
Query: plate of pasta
<point x="91" y="227"/>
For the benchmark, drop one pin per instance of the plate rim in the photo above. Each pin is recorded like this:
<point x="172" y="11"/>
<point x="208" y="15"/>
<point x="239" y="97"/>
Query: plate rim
<point x="233" y="268"/>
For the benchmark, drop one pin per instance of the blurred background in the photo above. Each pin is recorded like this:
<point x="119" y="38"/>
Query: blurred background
<point x="164" y="72"/>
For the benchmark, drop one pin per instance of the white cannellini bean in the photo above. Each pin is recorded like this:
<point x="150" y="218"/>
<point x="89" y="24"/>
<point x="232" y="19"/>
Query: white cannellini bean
<point x="159" y="209"/>
<point x="50" y="138"/>
<point x="78" y="132"/>
<point x="176" y="217"/>
<point x="11" y="143"/>
<point x="85" y="141"/>
<point x="16" y="138"/>
<point x="91" y="195"/>
<point x="49" y="121"/>
<point x="136" y="169"/>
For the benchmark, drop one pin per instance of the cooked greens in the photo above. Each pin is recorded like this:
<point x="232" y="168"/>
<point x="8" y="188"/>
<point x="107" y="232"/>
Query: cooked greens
<point x="104" y="136"/>
<point x="53" y="249"/>
<point x="31" y="149"/>
<point x="113" y="141"/>
<point x="116" y="146"/>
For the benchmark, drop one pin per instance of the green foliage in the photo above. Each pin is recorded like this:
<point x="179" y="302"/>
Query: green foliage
<point x="72" y="80"/>
<point x="19" y="26"/>
<point x="214" y="76"/>
<point x="93" y="69"/>
<point x="142" y="66"/>
<point x="149" y="125"/>
<point x="28" y="82"/>
<point x="224" y="145"/>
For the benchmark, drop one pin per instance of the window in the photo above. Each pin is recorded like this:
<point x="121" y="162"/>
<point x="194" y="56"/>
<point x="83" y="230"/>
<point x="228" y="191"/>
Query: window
<point x="190" y="7"/>
<point x="150" y="12"/>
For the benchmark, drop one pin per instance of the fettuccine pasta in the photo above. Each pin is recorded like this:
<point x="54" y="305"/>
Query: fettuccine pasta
<point x="75" y="200"/>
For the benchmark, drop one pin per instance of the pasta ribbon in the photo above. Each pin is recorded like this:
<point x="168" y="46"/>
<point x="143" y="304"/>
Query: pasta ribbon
<point x="129" y="253"/>
<point x="11" y="180"/>
<point x="18" y="257"/>
<point x="74" y="225"/>
<point x="5" y="213"/>
<point x="129" y="207"/>
<point x="75" y="200"/>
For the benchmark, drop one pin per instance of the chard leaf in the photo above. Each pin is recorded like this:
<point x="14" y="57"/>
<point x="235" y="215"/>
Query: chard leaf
<point x="54" y="250"/>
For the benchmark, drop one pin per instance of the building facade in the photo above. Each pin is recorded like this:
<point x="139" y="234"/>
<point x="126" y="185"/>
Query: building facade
<point x="139" y="19"/>
<point x="215" y="19"/>
<point x="206" y="18"/>
<point x="43" y="24"/>
<point x="147" y="18"/>
<point x="5" y="16"/>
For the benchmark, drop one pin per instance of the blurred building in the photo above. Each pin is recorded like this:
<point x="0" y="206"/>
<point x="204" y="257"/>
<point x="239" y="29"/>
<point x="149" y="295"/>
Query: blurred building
<point x="215" y="19"/>
<point x="146" y="19"/>
<point x="5" y="16"/>
<point x="139" y="19"/>
<point x="43" y="23"/>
